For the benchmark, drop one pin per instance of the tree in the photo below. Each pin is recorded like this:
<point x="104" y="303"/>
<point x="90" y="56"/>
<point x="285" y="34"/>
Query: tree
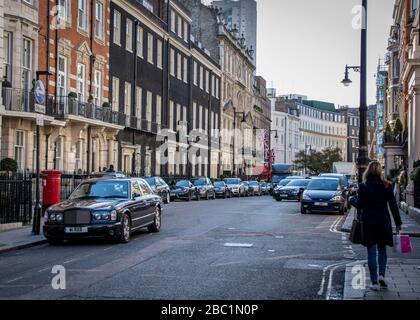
<point x="318" y="162"/>
<point x="9" y="165"/>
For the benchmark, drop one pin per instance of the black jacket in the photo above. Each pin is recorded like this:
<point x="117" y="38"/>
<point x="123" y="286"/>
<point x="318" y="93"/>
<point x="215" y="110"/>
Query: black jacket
<point x="374" y="199"/>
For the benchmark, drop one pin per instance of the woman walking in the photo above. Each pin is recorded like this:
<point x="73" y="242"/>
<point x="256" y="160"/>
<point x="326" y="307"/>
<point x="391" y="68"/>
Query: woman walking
<point x="375" y="196"/>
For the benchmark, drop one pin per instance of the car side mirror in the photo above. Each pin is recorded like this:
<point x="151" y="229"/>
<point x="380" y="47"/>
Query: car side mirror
<point x="136" y="195"/>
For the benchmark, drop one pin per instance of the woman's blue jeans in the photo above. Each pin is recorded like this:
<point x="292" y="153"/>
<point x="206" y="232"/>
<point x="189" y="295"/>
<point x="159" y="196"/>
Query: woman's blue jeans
<point x="376" y="255"/>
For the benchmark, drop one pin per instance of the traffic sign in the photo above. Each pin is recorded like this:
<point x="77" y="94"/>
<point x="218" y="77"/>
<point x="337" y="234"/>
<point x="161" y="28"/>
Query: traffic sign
<point x="39" y="92"/>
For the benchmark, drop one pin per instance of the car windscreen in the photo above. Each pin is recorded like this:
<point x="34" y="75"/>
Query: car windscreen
<point x="150" y="181"/>
<point x="298" y="183"/>
<point x="253" y="183"/>
<point x="219" y="184"/>
<point x="323" y="184"/>
<point x="232" y="181"/>
<point x="183" y="183"/>
<point x="284" y="182"/>
<point x="343" y="179"/>
<point x="200" y="182"/>
<point x="101" y="189"/>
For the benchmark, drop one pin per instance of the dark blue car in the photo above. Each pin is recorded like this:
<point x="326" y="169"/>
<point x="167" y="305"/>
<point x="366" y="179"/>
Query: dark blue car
<point x="323" y="195"/>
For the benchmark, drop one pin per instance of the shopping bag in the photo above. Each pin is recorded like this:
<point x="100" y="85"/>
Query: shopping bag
<point x="402" y="244"/>
<point x="356" y="232"/>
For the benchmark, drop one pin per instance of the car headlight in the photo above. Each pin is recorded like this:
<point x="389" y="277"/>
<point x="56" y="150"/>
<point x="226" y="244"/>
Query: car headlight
<point x="295" y="191"/>
<point x="306" y="197"/>
<point x="337" y="199"/>
<point x="59" y="217"/>
<point x="105" y="215"/>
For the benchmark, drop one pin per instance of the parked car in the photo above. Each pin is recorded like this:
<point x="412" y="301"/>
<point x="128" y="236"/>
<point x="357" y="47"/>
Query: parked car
<point x="221" y="189"/>
<point x="104" y="208"/>
<point x="246" y="187"/>
<point x="235" y="186"/>
<point x="270" y="188"/>
<point x="254" y="188"/>
<point x="345" y="184"/>
<point x="107" y="175"/>
<point x="323" y="195"/>
<point x="263" y="186"/>
<point x="293" y="190"/>
<point x="184" y="190"/>
<point x="160" y="188"/>
<point x="205" y="188"/>
<point x="282" y="183"/>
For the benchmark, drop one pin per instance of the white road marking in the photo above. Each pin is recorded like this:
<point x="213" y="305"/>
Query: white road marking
<point x="68" y="261"/>
<point x="271" y="250"/>
<point x="42" y="270"/>
<point x="279" y="237"/>
<point x="15" y="279"/>
<point x="238" y="245"/>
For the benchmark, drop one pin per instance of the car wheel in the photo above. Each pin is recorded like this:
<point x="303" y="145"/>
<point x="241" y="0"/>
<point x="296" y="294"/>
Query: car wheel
<point x="342" y="211"/>
<point x="278" y="199"/>
<point x="207" y="196"/>
<point x="155" y="227"/>
<point x="302" y="211"/>
<point x="126" y="229"/>
<point x="54" y="242"/>
<point x="198" y="197"/>
<point x="168" y="198"/>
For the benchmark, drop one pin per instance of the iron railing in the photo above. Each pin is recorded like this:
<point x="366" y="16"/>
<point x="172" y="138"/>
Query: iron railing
<point x="15" y="197"/>
<point x="18" y="100"/>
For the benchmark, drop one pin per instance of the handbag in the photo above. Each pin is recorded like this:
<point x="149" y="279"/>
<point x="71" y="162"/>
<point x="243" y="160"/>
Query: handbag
<point x="402" y="244"/>
<point x="356" y="232"/>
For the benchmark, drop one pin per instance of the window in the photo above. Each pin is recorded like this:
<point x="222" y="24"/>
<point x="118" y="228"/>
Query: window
<point x="117" y="28"/>
<point x="194" y="115"/>
<point x="173" y="17"/>
<point x="27" y="63"/>
<point x="97" y="84"/>
<point x="31" y="2"/>
<point x="179" y="66"/>
<point x="81" y="82"/>
<point x="139" y="102"/>
<point x="172" y="62"/>
<point x="139" y="41"/>
<point x="185" y="70"/>
<point x="212" y="85"/>
<point x="200" y="117"/>
<point x="171" y="115"/>
<point x="217" y="88"/>
<point x="115" y="94"/>
<point x="414" y="7"/>
<point x="20" y="149"/>
<point x="127" y="98"/>
<point x="195" y="73"/>
<point x="78" y="156"/>
<point x="82" y="15"/>
<point x="7" y="47"/>
<point x="179" y="27"/>
<point x="129" y="35"/>
<point x="150" y="48"/>
<point x="207" y="81"/>
<point x="99" y="20"/>
<point x="185" y="31"/>
<point x="201" y="77"/>
<point x="159" y="54"/>
<point x="149" y="109"/>
<point x="158" y="110"/>
<point x="62" y="77"/>
<point x="178" y="113"/>
<point x="59" y="153"/>
<point x="64" y="10"/>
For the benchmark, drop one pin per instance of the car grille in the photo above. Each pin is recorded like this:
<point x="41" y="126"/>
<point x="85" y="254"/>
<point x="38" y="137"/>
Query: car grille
<point x="76" y="217"/>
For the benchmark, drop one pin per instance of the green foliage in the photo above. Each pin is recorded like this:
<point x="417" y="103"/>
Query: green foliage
<point x="6" y="84"/>
<point x="388" y="128"/>
<point x="318" y="162"/>
<point x="106" y="105"/>
<point x="8" y="164"/>
<point x="73" y="95"/>
<point x="415" y="174"/>
<point x="398" y="125"/>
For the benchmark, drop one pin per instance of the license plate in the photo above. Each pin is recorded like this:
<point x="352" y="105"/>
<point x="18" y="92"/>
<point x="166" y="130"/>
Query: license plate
<point x="321" y="204"/>
<point x="76" y="230"/>
<point x="283" y="195"/>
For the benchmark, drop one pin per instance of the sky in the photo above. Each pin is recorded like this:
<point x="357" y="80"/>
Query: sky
<point x="304" y="45"/>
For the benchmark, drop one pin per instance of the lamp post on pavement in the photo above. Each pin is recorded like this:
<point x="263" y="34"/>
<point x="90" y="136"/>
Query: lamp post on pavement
<point x="270" y="165"/>
<point x="363" y="159"/>
<point x="234" y="131"/>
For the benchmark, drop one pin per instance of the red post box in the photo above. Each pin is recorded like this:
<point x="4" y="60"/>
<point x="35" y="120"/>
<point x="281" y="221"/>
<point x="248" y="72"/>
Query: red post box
<point x="51" y="182"/>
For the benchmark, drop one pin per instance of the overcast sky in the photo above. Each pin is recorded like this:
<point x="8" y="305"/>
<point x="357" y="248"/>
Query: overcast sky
<point x="304" y="45"/>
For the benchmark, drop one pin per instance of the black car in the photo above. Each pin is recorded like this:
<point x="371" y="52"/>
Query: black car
<point x="205" y="188"/>
<point x="293" y="190"/>
<point x="255" y="188"/>
<point x="221" y="189"/>
<point x="104" y="208"/>
<point x="263" y="186"/>
<point x="279" y="185"/>
<point x="323" y="195"/>
<point x="108" y="174"/>
<point x="160" y="187"/>
<point x="184" y="190"/>
<point x="344" y="182"/>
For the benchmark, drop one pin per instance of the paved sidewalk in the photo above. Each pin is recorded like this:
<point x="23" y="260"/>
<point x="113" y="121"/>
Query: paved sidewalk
<point x="410" y="226"/>
<point x="403" y="276"/>
<point x="19" y="239"/>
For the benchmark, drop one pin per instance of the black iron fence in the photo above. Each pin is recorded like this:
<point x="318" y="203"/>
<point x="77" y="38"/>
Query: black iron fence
<point x="69" y="182"/>
<point x="15" y="197"/>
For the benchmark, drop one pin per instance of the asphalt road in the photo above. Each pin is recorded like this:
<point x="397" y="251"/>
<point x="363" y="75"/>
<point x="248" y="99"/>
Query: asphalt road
<point x="248" y="248"/>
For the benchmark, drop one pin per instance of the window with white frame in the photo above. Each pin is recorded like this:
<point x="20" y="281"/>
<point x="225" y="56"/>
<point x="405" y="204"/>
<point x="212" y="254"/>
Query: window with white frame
<point x="62" y="77"/>
<point x="127" y="98"/>
<point x="30" y="2"/>
<point x="81" y="72"/>
<point x="179" y="27"/>
<point x="213" y="85"/>
<point x="159" y="48"/>
<point x="172" y="62"/>
<point x="195" y="73"/>
<point x="78" y="165"/>
<point x="82" y="15"/>
<point x="185" y="31"/>
<point x="178" y="113"/>
<point x="173" y="21"/>
<point x="185" y="74"/>
<point x="194" y="125"/>
<point x="59" y="153"/>
<point x="171" y="115"/>
<point x="200" y="117"/>
<point x="139" y="101"/>
<point x="201" y="77"/>
<point x="129" y="35"/>
<point x="139" y="42"/>
<point x="150" y="48"/>
<point x="115" y="94"/>
<point x="64" y="10"/>
<point x="19" y="149"/>
<point x="207" y="81"/>
<point x="217" y="88"/>
<point x="179" y="66"/>
<point x="97" y="87"/>
<point x="149" y="109"/>
<point x="117" y="27"/>
<point x="27" y="63"/>
<point x="7" y="54"/>
<point x="99" y="20"/>
<point x="158" y="110"/>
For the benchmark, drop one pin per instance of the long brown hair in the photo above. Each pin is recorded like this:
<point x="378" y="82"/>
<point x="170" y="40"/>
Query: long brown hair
<point x="374" y="169"/>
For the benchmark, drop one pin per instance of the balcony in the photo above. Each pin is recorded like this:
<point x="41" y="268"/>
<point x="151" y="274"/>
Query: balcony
<point x="73" y="109"/>
<point x="141" y="124"/>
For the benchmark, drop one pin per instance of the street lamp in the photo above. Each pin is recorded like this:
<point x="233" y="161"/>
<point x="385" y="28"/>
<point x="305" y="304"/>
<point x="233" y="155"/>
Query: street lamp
<point x="363" y="158"/>
<point x="234" y="130"/>
<point x="36" y="224"/>
<point x="306" y="153"/>
<point x="270" y="165"/>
